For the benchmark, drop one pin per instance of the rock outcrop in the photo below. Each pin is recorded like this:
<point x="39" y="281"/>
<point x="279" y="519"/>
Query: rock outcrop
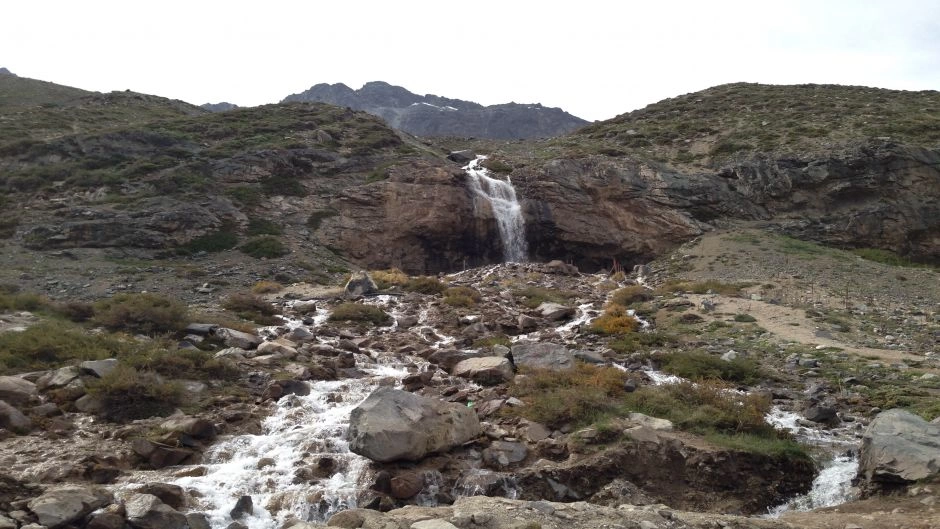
<point x="432" y="115"/>
<point x="898" y="448"/>
<point x="394" y="425"/>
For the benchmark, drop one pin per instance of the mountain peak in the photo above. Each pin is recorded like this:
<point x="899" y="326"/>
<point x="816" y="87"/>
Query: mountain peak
<point x="433" y="115"/>
<point x="4" y="71"/>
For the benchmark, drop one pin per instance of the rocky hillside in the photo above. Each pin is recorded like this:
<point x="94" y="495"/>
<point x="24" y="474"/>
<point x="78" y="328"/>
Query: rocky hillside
<point x="431" y="115"/>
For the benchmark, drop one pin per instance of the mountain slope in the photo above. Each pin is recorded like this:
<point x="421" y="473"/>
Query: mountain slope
<point x="432" y="115"/>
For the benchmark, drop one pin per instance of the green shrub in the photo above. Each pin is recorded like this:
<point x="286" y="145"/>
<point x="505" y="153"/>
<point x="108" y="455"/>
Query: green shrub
<point x="316" y="218"/>
<point x="744" y="318"/>
<point x="461" y="296"/>
<point x="615" y="320"/>
<point x="532" y="297"/>
<point x="576" y="396"/>
<point x="146" y="313"/>
<point x="359" y="312"/>
<point x="489" y="342"/>
<point x="627" y="296"/>
<point x="77" y="311"/>
<point x="251" y="307"/>
<point x="245" y="195"/>
<point x="639" y="341"/>
<point x="180" y="363"/>
<point x="218" y="241"/>
<point x="266" y="287"/>
<point x="703" y="366"/>
<point x="388" y="278"/>
<point x="22" y="301"/>
<point x="52" y="344"/>
<point x="263" y="227"/>
<point x="8" y="226"/>
<point x="425" y="285"/>
<point x="131" y="394"/>
<point x="264" y="247"/>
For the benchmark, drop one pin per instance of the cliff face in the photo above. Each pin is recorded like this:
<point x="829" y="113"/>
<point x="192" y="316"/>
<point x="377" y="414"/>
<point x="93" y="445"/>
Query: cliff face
<point x="432" y="115"/>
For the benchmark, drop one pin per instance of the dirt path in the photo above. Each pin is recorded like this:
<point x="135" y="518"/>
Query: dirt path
<point x="791" y="324"/>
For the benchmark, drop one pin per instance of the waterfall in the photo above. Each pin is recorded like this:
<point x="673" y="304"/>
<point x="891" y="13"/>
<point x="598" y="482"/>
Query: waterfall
<point x="501" y="197"/>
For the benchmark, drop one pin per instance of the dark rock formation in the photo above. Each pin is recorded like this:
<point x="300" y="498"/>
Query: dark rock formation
<point x="898" y="448"/>
<point x="432" y="115"/>
<point x="219" y="107"/>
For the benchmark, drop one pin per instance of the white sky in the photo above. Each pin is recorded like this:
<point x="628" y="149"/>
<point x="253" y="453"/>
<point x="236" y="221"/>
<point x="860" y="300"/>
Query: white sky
<point x="593" y="58"/>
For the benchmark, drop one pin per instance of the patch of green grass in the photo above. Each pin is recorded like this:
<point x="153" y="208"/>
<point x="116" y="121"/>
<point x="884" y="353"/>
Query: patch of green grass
<point x="217" y="241"/>
<point x="425" y="285"/>
<point x="51" y="344"/>
<point x="145" y="313"/>
<point x="627" y="296"/>
<point x="461" y="296"/>
<point x="702" y="287"/>
<point x="769" y="446"/>
<point x="703" y="366"/>
<point x="888" y="257"/>
<point x="744" y="318"/>
<point x="532" y="296"/>
<point x="245" y="195"/>
<point x="264" y="247"/>
<point x="130" y="394"/>
<point x="259" y="226"/>
<point x="251" y="307"/>
<point x="360" y="312"/>
<point x="641" y="341"/>
<point x="489" y="342"/>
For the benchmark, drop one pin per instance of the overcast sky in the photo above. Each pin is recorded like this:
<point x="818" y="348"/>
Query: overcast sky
<point x="595" y="59"/>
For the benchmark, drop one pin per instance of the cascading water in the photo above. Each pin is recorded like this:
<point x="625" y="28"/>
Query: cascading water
<point x="501" y="197"/>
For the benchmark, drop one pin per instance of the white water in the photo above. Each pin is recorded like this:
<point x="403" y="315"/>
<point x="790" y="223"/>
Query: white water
<point x="301" y="432"/>
<point x="501" y="197"/>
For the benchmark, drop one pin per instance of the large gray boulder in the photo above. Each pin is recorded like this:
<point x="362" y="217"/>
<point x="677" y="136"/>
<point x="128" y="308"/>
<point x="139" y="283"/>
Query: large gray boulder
<point x="543" y="355"/>
<point x="17" y="391"/>
<point x="360" y="284"/>
<point x="146" y="511"/>
<point x="59" y="507"/>
<point x="393" y="425"/>
<point x="486" y="370"/>
<point x="13" y="419"/>
<point x="899" y="447"/>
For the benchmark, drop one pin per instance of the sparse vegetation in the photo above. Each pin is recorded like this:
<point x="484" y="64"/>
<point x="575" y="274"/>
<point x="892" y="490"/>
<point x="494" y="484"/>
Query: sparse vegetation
<point x="130" y="394"/>
<point x="533" y="296"/>
<point x="264" y="247"/>
<point x="461" y="296"/>
<point x="251" y="307"/>
<point x="146" y="313"/>
<point x="266" y="287"/>
<point x="360" y="312"/>
<point x="698" y="366"/>
<point x="614" y="321"/>
<point x="218" y="241"/>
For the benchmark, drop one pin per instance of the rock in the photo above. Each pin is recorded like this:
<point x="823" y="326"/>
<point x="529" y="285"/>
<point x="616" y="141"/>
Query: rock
<point x="280" y="388"/>
<point x="169" y="494"/>
<point x="91" y="404"/>
<point x="821" y="414"/>
<point x="359" y="284"/>
<point x="407" y="321"/>
<point x="562" y="268"/>
<point x="535" y="432"/>
<point x="486" y="370"/>
<point x="243" y="506"/>
<point x="13" y="419"/>
<point x="504" y="453"/>
<point x="433" y="524"/>
<point x="393" y="425"/>
<point x="98" y="368"/>
<point x="58" y="378"/>
<point x="555" y="311"/>
<point x="542" y="354"/>
<point x="278" y="347"/>
<point x="300" y="335"/>
<point x="58" y="507"/>
<point x="462" y="157"/>
<point x="239" y="339"/>
<point x="305" y="307"/>
<point x="406" y="485"/>
<point x="653" y="423"/>
<point x="899" y="447"/>
<point x="201" y="329"/>
<point x="526" y="323"/>
<point x="196" y="427"/>
<point x="146" y="511"/>
<point x="17" y="391"/>
<point x="160" y="456"/>
<point x="355" y="518"/>
<point x="105" y="520"/>
<point x="197" y="520"/>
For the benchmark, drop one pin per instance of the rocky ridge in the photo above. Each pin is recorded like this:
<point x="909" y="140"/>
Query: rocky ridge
<point x="432" y="115"/>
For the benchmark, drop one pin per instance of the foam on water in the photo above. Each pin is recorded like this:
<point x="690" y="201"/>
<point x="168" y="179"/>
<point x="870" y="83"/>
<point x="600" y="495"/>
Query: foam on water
<point x="501" y="197"/>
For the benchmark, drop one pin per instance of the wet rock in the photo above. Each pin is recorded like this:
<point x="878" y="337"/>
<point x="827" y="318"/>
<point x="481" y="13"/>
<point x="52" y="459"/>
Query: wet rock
<point x="196" y="427"/>
<point x="17" y="391"/>
<point x="92" y="404"/>
<point x="280" y="388"/>
<point x="898" y="447"/>
<point x="527" y="323"/>
<point x="542" y="354"/>
<point x="487" y="370"/>
<point x="504" y="453"/>
<point x="281" y="348"/>
<point x="393" y="425"/>
<point x="462" y="157"/>
<point x="562" y="268"/>
<point x="58" y="378"/>
<point x="406" y="485"/>
<point x="13" y="419"/>
<point x="243" y="506"/>
<point x="160" y="456"/>
<point x="146" y="511"/>
<point x="98" y="368"/>
<point x="59" y="507"/>
<point x="821" y="413"/>
<point x="169" y="494"/>
<point x="300" y="335"/>
<point x="360" y="284"/>
<point x="197" y="520"/>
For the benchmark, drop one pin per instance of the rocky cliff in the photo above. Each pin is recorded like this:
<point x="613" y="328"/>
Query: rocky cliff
<point x="431" y="115"/>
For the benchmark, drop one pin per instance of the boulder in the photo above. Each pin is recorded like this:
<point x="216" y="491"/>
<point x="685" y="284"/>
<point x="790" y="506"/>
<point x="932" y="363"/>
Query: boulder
<point x="462" y="157"/>
<point x="359" y="284"/>
<point x="55" y="508"/>
<point x="13" y="419"/>
<point x="196" y="427"/>
<point x="239" y="339"/>
<point x="393" y="425"/>
<point x="17" y="391"/>
<point x="98" y="368"/>
<point x="172" y="495"/>
<point x="279" y="347"/>
<point x="562" y="268"/>
<point x="58" y="378"/>
<point x="279" y="388"/>
<point x="555" y="311"/>
<point x="653" y="423"/>
<point x="504" y="453"/>
<point x="160" y="456"/>
<point x="822" y="414"/>
<point x="243" y="506"/>
<point x="542" y="354"/>
<point x="486" y="370"/>
<point x="146" y="511"/>
<point x="899" y="447"/>
<point x="406" y="485"/>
